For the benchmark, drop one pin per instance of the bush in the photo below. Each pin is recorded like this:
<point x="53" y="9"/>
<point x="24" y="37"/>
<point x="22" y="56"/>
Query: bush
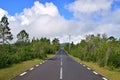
<point x="114" y="60"/>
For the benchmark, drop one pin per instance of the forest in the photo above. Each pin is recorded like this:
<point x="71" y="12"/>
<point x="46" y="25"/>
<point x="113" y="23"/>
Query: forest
<point x="103" y="50"/>
<point x="24" y="48"/>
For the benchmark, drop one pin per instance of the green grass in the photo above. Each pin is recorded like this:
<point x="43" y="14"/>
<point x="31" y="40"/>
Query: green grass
<point x="10" y="72"/>
<point x="112" y="75"/>
<point x="16" y="69"/>
<point x="50" y="55"/>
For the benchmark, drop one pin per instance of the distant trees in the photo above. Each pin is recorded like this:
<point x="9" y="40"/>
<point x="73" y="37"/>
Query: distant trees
<point x="101" y="49"/>
<point x="5" y="33"/>
<point x="23" y="49"/>
<point x="23" y="36"/>
<point x="56" y="44"/>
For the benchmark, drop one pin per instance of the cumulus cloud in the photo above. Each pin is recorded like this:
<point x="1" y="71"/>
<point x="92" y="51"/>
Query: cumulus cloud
<point x="96" y="15"/>
<point x="44" y="20"/>
<point x="2" y="13"/>
<point x="89" y="6"/>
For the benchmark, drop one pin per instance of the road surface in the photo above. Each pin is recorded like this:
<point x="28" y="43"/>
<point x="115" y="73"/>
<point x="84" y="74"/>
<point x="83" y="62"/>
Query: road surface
<point x="60" y="67"/>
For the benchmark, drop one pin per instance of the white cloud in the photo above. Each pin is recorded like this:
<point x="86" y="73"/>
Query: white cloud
<point x="2" y="13"/>
<point x="86" y="10"/>
<point x="44" y="20"/>
<point x="89" y="6"/>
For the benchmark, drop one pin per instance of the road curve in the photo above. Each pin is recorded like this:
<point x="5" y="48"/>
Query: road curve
<point x="60" y="67"/>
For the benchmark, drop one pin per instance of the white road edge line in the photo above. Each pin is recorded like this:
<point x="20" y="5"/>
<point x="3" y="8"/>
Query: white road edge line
<point x="31" y="68"/>
<point x="84" y="65"/>
<point x="40" y="63"/>
<point x="23" y="73"/>
<point x="104" y="78"/>
<point x="95" y="72"/>
<point x="37" y="65"/>
<point x="88" y="68"/>
<point x="61" y="73"/>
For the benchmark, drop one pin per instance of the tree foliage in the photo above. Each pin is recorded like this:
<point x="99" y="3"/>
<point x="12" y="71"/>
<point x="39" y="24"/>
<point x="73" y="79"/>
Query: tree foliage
<point x="55" y="44"/>
<point x="23" y="36"/>
<point x="5" y="33"/>
<point x="100" y="49"/>
<point x="16" y="53"/>
<point x="23" y="49"/>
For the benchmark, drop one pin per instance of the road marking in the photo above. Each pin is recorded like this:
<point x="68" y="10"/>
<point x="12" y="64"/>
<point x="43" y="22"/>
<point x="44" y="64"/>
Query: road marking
<point x="88" y="68"/>
<point x="104" y="78"/>
<point x="40" y="63"/>
<point x="31" y="68"/>
<point x="61" y="73"/>
<point x="61" y="59"/>
<point x="37" y="65"/>
<point x="23" y="73"/>
<point x="84" y="65"/>
<point x="95" y="72"/>
<point x="61" y="63"/>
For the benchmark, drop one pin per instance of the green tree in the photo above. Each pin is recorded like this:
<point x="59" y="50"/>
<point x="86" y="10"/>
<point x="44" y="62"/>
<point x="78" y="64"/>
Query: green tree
<point x="100" y="49"/>
<point x="23" y="36"/>
<point x="56" y="44"/>
<point x="5" y="33"/>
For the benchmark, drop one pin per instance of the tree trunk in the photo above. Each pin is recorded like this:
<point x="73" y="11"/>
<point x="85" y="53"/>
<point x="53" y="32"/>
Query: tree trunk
<point x="107" y="56"/>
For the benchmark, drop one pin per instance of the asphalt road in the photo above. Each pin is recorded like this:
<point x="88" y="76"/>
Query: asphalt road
<point x="60" y="67"/>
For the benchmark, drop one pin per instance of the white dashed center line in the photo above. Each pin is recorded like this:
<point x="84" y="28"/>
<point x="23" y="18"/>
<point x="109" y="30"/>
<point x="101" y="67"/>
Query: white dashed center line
<point x="61" y="70"/>
<point x="61" y="63"/>
<point x="61" y="73"/>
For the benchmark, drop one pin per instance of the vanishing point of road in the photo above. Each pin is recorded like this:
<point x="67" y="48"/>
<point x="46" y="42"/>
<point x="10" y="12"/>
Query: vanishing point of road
<point x="60" y="67"/>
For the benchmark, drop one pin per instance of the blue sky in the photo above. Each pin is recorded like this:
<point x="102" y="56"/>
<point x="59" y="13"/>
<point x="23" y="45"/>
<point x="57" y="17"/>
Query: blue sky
<point x="115" y="5"/>
<point x="60" y="18"/>
<point x="17" y="6"/>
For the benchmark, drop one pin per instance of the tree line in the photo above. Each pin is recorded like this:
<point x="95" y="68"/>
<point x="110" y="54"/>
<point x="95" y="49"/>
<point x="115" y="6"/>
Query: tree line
<point x="98" y="48"/>
<point x="23" y="49"/>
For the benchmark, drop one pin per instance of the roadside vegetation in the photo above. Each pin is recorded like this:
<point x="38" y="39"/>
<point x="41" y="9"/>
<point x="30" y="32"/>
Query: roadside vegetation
<point x="100" y="49"/>
<point x="105" y="71"/>
<point x="23" y="49"/>
<point x="16" y="69"/>
<point x="99" y="52"/>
